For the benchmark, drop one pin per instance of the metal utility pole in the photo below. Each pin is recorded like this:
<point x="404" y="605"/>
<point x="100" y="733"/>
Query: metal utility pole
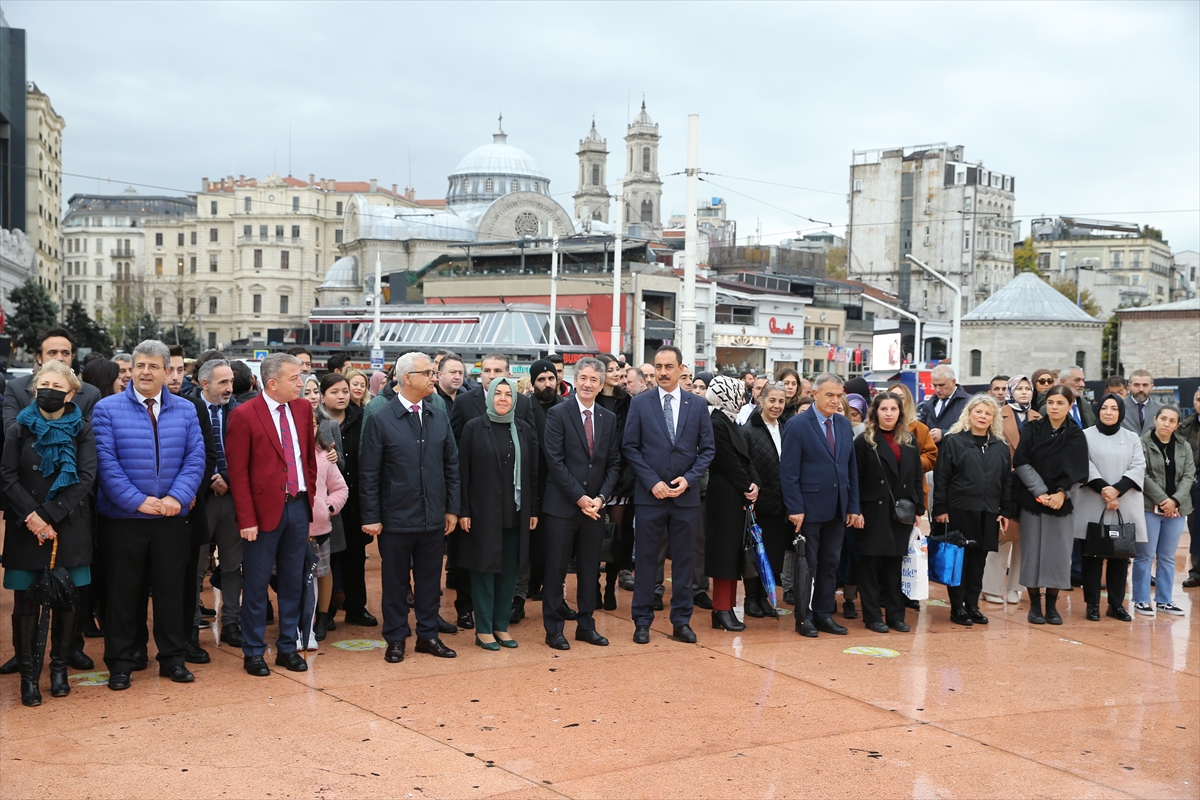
<point x="918" y="349"/>
<point x="956" y="335"/>
<point x="614" y="332"/>
<point x="687" y="319"/>
<point x="552" y="339"/>
<point x="377" y="301"/>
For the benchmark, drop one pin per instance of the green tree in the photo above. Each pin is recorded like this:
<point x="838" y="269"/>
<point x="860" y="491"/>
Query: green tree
<point x="1025" y="257"/>
<point x="35" y="312"/>
<point x="1067" y="288"/>
<point x="87" y="332"/>
<point x="835" y="262"/>
<point x="1110" y="349"/>
<point x="1151" y="233"/>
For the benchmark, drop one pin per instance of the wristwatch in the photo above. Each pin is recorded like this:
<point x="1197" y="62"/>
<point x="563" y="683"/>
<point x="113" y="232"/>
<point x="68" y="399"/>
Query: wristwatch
<point x="603" y="500"/>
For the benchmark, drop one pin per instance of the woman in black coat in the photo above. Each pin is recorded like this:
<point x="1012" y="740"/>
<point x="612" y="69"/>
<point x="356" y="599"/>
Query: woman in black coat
<point x="889" y="469"/>
<point x="620" y="506"/>
<point x="764" y="438"/>
<point x="498" y="462"/>
<point x="46" y="476"/>
<point x="971" y="494"/>
<point x="732" y="485"/>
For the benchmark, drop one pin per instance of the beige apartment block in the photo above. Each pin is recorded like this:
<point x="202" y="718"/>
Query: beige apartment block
<point x="43" y="187"/>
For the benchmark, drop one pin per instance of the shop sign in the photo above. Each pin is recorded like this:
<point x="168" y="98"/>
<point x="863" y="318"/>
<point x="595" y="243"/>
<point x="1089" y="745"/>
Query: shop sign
<point x="786" y="330"/>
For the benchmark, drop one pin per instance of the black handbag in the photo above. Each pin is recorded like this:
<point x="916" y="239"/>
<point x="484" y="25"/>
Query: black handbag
<point x="606" y="543"/>
<point x="1109" y="540"/>
<point x="905" y="511"/>
<point x="749" y="554"/>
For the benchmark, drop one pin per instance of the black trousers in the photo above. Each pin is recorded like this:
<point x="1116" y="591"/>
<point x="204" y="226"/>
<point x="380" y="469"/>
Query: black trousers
<point x="456" y="578"/>
<point x="563" y="535"/>
<point x="823" y="552"/>
<point x="418" y="554"/>
<point x="879" y="586"/>
<point x="967" y="592"/>
<point x="354" y="565"/>
<point x="159" y="553"/>
<point x="1118" y="571"/>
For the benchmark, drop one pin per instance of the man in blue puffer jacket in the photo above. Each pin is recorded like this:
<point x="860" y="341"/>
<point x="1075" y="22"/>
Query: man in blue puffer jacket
<point x="151" y="462"/>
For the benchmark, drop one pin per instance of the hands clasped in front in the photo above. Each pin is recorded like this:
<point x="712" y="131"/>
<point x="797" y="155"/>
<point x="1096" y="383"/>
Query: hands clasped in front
<point x="662" y="490"/>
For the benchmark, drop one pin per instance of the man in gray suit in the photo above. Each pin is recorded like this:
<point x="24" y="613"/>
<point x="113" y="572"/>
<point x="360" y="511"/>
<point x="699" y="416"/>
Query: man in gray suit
<point x="1140" y="408"/>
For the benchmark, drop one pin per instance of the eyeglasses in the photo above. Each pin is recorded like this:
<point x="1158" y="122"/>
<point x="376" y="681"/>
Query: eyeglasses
<point x="1044" y="381"/>
<point x="428" y="373"/>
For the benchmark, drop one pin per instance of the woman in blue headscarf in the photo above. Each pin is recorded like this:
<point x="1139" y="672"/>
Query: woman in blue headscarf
<point x="498" y="462"/>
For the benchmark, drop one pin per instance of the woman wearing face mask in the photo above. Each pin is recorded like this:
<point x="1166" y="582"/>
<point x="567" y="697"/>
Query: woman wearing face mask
<point x="46" y="475"/>
<point x="764" y="436"/>
<point x="498" y="460"/>
<point x="1051" y="460"/>
<point x="1002" y="575"/>
<point x="1116" y="472"/>
<point x="1170" y="474"/>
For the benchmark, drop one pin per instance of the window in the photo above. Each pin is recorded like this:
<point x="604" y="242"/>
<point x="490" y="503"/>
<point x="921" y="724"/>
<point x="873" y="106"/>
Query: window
<point x="179" y="265"/>
<point x="158" y="266"/>
<point x="179" y="243"/>
<point x="295" y="232"/>
<point x="976" y="363"/>
<point x="967" y="203"/>
<point x="1081" y="360"/>
<point x="158" y="306"/>
<point x="99" y="267"/>
<point x="734" y="315"/>
<point x="339" y="205"/>
<point x="1116" y="259"/>
<point x="212" y="305"/>
<point x="192" y="304"/>
<point x="193" y="265"/>
<point x="967" y="241"/>
<point x="212" y="340"/>
<point x="284" y="259"/>
<point x="257" y="304"/>
<point x="99" y="291"/>
<point x="645" y="159"/>
<point x="818" y="365"/>
<point x="193" y="237"/>
<point x="212" y="262"/>
<point x="1135" y="259"/>
<point x="337" y="236"/>
<point x="212" y="208"/>
<point x="247" y="231"/>
<point x="514" y="187"/>
<point x="178" y="307"/>
<point x="818" y="335"/>
<point x="278" y="231"/>
<point x="317" y="233"/>
<point x="858" y="184"/>
<point x="283" y="304"/>
<point x="1135" y="280"/>
<point x="157" y="242"/>
<point x="595" y="174"/>
<point x="488" y="185"/>
<point x="1044" y="262"/>
<point x="648" y="211"/>
<point x="100" y="246"/>
<point x="212" y="234"/>
<point x="258" y="259"/>
<point x="295" y="205"/>
<point x="262" y="233"/>
<point x="249" y="205"/>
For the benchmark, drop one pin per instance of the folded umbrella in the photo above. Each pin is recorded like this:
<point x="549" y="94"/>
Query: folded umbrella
<point x="760" y="554"/>
<point x="52" y="589"/>
<point x="800" y="582"/>
<point x="308" y="595"/>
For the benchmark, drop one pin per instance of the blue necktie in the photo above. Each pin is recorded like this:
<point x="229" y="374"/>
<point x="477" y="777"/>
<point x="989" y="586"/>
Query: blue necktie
<point x="216" y="426"/>
<point x="1075" y="413"/>
<point x="669" y="417"/>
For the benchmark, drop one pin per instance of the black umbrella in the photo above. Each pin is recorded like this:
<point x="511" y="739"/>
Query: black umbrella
<point x="308" y="595"/>
<point x="800" y="583"/>
<point x="53" y="589"/>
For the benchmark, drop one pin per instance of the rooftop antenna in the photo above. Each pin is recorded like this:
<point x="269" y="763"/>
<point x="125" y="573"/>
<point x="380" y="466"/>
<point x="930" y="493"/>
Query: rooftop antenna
<point x="410" y="168"/>
<point x="289" y="148"/>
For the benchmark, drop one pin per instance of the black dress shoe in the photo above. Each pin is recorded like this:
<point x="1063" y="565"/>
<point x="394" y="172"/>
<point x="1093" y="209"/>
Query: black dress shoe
<point x="684" y="633"/>
<point x="977" y="616"/>
<point x="807" y="629"/>
<point x="568" y="613"/>
<point x="557" y="641"/>
<point x="727" y="621"/>
<point x="466" y="620"/>
<point x="591" y="637"/>
<point x="518" y="611"/>
<point x="204" y="624"/>
<point x="177" y="674"/>
<point x="292" y="662"/>
<point x="753" y="608"/>
<point x="702" y="600"/>
<point x="830" y="625"/>
<point x="140" y="661"/>
<point x="394" y="653"/>
<point x="364" y="618"/>
<point x="195" y="654"/>
<point x="641" y="634"/>
<point x="1093" y="612"/>
<point x="878" y="627"/>
<point x="256" y="666"/>
<point x="658" y="603"/>
<point x="434" y="647"/>
<point x="768" y="610"/>
<point x="1191" y="582"/>
<point x="81" y="661"/>
<point x="849" y="611"/>
<point x="625" y="580"/>
<point x="119" y="681"/>
<point x="1118" y="612"/>
<point x="915" y="605"/>
<point x="9" y="667"/>
<point x="610" y="599"/>
<point x="899" y="627"/>
<point x="960" y="616"/>
<point x="232" y="635"/>
<point x="446" y="626"/>
<point x="207" y="612"/>
<point x="789" y="597"/>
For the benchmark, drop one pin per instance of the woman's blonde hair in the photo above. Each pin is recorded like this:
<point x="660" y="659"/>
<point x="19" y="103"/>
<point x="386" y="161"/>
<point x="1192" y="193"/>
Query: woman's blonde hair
<point x="61" y="370"/>
<point x="910" y="405"/>
<point x="900" y="433"/>
<point x="964" y="419"/>
<point x="358" y="373"/>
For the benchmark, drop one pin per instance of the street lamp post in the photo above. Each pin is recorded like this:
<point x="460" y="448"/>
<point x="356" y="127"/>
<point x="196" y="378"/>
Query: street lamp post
<point x="956" y="335"/>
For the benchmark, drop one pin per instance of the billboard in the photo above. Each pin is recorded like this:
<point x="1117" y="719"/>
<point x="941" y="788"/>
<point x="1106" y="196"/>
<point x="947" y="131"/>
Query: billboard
<point x="885" y="352"/>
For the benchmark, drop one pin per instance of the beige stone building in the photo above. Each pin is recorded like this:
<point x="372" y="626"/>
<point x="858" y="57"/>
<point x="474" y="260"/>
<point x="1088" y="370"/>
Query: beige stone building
<point x="1164" y="339"/>
<point x="43" y="187"/>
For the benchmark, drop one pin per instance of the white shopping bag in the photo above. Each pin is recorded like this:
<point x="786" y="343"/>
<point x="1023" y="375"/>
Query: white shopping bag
<point x="914" y="571"/>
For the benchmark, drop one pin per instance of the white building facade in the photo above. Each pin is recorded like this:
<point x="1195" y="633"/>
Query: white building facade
<point x="43" y="187"/>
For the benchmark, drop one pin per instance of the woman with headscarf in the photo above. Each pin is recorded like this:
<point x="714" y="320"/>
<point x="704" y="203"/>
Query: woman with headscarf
<point x="46" y="475"/>
<point x="857" y="412"/>
<point x="498" y="462"/>
<point x="378" y="379"/>
<point x="1041" y="380"/>
<point x="1050" y="461"/>
<point x="1116" y="473"/>
<point x="732" y="485"/>
<point x="1002" y="575"/>
<point x="700" y="383"/>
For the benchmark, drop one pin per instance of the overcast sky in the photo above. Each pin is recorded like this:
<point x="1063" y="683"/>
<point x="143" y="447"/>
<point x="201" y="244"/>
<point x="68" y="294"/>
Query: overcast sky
<point x="1094" y="107"/>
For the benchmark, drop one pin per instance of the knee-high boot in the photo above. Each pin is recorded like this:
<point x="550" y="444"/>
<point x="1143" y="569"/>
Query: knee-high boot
<point x="24" y="636"/>
<point x="62" y="634"/>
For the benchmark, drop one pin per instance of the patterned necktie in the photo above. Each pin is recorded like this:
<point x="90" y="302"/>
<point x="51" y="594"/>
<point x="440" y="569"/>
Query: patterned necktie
<point x="829" y="437"/>
<point x="587" y="431"/>
<point x="222" y="466"/>
<point x="669" y="417"/>
<point x="289" y="457"/>
<point x="416" y="410"/>
<point x="1141" y="415"/>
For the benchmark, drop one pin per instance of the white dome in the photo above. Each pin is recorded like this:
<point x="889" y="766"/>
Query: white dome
<point x="342" y="275"/>
<point x="490" y="172"/>
<point x="498" y="159"/>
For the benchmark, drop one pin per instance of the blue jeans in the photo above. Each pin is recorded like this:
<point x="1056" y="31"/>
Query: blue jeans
<point x="1163" y="534"/>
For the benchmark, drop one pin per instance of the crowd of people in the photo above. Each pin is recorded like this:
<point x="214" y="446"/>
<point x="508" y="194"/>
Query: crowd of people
<point x="150" y="473"/>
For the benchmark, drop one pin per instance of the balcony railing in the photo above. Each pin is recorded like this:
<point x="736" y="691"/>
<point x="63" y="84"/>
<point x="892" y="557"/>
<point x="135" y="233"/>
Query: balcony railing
<point x="122" y="253"/>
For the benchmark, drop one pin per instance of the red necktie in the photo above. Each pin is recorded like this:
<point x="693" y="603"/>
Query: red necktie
<point x="587" y="431"/>
<point x="829" y="437"/>
<point x="149" y="401"/>
<point x="289" y="456"/>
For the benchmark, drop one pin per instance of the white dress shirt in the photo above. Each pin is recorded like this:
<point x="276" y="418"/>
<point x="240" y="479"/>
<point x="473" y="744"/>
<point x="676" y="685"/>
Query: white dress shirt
<point x="773" y="429"/>
<point x="583" y="408"/>
<point x="675" y="400"/>
<point x="157" y="401"/>
<point x="273" y="407"/>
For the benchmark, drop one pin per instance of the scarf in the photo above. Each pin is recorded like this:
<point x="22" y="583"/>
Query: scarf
<point x="1013" y="382"/>
<point x="726" y="394"/>
<point x="1109" y="430"/>
<point x="54" y="441"/>
<point x="511" y="419"/>
<point x="1060" y="458"/>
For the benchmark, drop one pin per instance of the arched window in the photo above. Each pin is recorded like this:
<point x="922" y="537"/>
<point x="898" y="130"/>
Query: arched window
<point x="515" y="187"/>
<point x="645" y="159"/>
<point x="648" y="211"/>
<point x="1081" y="360"/>
<point x="595" y="174"/>
<point x="976" y="363"/>
<point x="488" y="185"/>
<point x="465" y="185"/>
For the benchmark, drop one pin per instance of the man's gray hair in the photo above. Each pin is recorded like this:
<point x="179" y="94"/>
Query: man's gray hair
<point x="206" y="369"/>
<point x="154" y="348"/>
<point x="1065" y="371"/>
<point x="943" y="371"/>
<point x="272" y="366"/>
<point x="590" y="363"/>
<point x="826" y="377"/>
<point x="405" y="364"/>
<point x="124" y="358"/>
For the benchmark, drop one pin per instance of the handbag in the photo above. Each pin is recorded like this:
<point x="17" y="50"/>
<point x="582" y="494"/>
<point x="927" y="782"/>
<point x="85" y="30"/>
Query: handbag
<point x="946" y="554"/>
<point x="749" y="554"/>
<point x="1109" y="540"/>
<point x="606" y="543"/>
<point x="904" y="511"/>
<point x="914" y="569"/>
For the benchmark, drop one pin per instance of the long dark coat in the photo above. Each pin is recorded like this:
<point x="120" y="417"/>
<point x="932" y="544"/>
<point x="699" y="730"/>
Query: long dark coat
<point x="483" y="486"/>
<point x="881" y="534"/>
<point x="729" y="478"/>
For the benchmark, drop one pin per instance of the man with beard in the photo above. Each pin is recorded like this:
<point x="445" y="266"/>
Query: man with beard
<point x="1140" y="408"/>
<point x="635" y="381"/>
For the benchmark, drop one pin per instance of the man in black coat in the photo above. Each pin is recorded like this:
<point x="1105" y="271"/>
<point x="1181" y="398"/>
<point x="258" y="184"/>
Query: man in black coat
<point x="1081" y="411"/>
<point x="53" y="343"/>
<point x="941" y="411"/>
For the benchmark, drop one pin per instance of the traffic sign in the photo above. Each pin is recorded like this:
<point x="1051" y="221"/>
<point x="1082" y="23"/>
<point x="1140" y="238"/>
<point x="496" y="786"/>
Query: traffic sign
<point x="259" y="355"/>
<point x="376" y="358"/>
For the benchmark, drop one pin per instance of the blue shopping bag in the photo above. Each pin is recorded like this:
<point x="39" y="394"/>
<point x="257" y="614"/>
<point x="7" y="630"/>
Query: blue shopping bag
<point x="945" y="561"/>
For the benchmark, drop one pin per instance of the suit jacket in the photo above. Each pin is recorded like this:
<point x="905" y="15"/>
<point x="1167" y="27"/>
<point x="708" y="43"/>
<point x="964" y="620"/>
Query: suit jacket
<point x="469" y="405"/>
<point x="198" y="518"/>
<point x="1131" y="415"/>
<point x="18" y="393"/>
<point x="819" y="484"/>
<point x="1087" y="416"/>
<point x="572" y="473"/>
<point x="927" y="412"/>
<point x="653" y="455"/>
<point x="539" y="427"/>
<point x="225" y="413"/>
<point x="257" y="471"/>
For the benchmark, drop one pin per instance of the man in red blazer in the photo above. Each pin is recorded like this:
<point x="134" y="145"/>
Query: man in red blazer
<point x="272" y="472"/>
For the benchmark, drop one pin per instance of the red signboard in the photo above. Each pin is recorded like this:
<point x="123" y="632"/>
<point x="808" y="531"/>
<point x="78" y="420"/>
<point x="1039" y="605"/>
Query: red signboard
<point x="786" y="330"/>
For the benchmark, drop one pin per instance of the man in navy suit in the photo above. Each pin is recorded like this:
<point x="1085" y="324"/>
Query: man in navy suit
<point x="583" y="461"/>
<point x="819" y="478"/>
<point x="669" y="443"/>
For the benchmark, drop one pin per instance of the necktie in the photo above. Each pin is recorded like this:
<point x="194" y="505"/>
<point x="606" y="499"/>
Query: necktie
<point x="289" y="457"/>
<point x="416" y="410"/>
<point x="1075" y="414"/>
<point x="222" y="466"/>
<point x="1141" y="415"/>
<point x="829" y="436"/>
<point x="587" y="431"/>
<point x="149" y="401"/>
<point x="669" y="417"/>
<point x="941" y="406"/>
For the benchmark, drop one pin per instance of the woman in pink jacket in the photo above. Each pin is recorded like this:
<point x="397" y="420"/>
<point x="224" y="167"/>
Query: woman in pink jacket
<point x="332" y="494"/>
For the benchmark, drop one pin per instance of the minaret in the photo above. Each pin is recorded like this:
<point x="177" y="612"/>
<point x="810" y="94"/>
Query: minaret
<point x="643" y="189"/>
<point x="591" y="200"/>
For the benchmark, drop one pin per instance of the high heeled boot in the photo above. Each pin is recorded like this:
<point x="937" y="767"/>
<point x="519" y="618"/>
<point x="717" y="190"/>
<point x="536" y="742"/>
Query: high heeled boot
<point x="1052" y="615"/>
<point x="62" y="634"/>
<point x="24" y="636"/>
<point x="1035" y="607"/>
<point x="727" y="620"/>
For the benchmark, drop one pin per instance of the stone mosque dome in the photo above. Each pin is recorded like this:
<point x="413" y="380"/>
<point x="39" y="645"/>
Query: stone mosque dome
<point x="490" y="172"/>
